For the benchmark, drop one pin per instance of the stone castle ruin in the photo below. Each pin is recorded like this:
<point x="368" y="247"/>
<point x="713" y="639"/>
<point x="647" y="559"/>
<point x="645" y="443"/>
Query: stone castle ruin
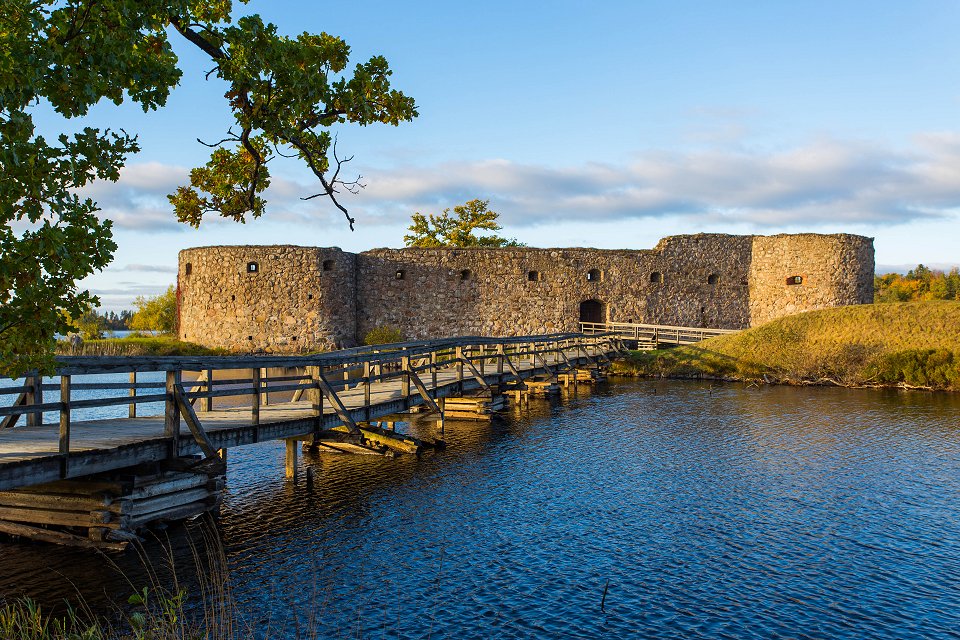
<point x="287" y="298"/>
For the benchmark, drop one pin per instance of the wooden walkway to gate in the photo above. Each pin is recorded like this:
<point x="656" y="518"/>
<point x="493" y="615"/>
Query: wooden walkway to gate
<point x="325" y="395"/>
<point x="653" y="335"/>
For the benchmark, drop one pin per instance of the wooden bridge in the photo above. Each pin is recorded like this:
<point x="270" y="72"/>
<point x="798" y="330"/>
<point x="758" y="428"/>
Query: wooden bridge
<point x="651" y="336"/>
<point x="329" y="399"/>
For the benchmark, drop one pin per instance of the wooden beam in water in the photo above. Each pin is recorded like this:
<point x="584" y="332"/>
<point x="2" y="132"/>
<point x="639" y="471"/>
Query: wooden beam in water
<point x="290" y="461"/>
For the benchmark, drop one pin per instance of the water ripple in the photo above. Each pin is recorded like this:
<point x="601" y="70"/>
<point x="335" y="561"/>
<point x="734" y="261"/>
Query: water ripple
<point x="704" y="511"/>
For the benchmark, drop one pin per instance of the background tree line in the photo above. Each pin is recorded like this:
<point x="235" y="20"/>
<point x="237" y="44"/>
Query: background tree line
<point x="153" y="313"/>
<point x="921" y="283"/>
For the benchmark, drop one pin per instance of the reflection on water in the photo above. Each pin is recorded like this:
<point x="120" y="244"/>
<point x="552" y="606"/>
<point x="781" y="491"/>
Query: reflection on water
<point x="714" y="511"/>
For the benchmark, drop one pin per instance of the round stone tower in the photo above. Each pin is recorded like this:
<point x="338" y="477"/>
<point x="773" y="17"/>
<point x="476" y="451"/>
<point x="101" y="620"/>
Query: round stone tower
<point x="790" y="273"/>
<point x="276" y="299"/>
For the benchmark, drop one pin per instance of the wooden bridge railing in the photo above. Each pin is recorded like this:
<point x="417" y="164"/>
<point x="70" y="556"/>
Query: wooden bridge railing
<point x="323" y="377"/>
<point x="653" y="333"/>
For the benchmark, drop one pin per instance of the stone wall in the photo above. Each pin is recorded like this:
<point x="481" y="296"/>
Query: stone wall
<point x="515" y="291"/>
<point x="293" y="299"/>
<point x="307" y="298"/>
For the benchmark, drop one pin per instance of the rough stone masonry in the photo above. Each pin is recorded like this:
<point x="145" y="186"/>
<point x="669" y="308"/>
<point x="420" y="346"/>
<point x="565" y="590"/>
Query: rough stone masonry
<point x="288" y="298"/>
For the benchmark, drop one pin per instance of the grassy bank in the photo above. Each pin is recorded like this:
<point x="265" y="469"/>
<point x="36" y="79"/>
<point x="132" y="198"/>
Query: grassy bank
<point x="136" y="345"/>
<point x="911" y="344"/>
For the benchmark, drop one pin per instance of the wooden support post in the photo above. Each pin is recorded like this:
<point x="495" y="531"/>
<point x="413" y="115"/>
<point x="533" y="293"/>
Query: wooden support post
<point x="208" y="402"/>
<point x="366" y="391"/>
<point x="442" y="403"/>
<point x="255" y="408"/>
<point x="405" y="380"/>
<point x="291" y="459"/>
<point x="482" y="354"/>
<point x="433" y="370"/>
<point x="500" y="357"/>
<point x="171" y="414"/>
<point x="458" y="354"/>
<point x="265" y="378"/>
<point x="132" y="408"/>
<point x="64" y="423"/>
<point x="316" y="400"/>
<point x="35" y="396"/>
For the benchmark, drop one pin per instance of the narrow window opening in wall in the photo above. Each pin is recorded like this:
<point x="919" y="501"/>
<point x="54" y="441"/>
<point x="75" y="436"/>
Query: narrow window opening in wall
<point x="187" y="270"/>
<point x="703" y="310"/>
<point x="534" y="276"/>
<point x="656" y="277"/>
<point x="795" y="280"/>
<point x="466" y="274"/>
<point x="713" y="278"/>
<point x="249" y="337"/>
<point x="252" y="267"/>
<point x="594" y="275"/>
<point x="400" y="274"/>
<point x="309" y="296"/>
<point x="232" y="298"/>
<point x="328" y="265"/>
<point x="294" y="338"/>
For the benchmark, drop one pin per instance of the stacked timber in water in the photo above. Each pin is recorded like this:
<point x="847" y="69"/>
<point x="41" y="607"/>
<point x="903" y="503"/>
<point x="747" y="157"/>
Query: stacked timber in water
<point x="104" y="512"/>
<point x="581" y="376"/>
<point x="479" y="406"/>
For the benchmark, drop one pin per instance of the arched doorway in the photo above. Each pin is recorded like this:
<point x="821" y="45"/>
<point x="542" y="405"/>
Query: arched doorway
<point x="593" y="311"/>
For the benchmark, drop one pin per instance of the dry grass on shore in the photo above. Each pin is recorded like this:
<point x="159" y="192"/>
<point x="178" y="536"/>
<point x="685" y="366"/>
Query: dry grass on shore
<point x="136" y="345"/>
<point x="910" y="344"/>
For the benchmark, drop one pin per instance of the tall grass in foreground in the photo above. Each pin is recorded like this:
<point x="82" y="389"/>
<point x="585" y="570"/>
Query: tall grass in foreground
<point x="913" y="345"/>
<point x="164" y="609"/>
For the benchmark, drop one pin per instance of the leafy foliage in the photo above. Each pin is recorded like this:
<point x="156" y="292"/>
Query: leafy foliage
<point x="458" y="230"/>
<point x="90" y="325"/>
<point x="382" y="335"/>
<point x="285" y="94"/>
<point x="919" y="284"/>
<point x="156" y="313"/>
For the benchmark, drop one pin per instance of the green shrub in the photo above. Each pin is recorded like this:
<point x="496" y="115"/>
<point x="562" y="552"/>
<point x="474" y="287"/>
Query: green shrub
<point x="934" y="368"/>
<point x="383" y="335"/>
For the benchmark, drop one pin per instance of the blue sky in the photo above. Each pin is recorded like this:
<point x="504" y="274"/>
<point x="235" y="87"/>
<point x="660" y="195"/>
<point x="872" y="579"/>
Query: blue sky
<point x="608" y="124"/>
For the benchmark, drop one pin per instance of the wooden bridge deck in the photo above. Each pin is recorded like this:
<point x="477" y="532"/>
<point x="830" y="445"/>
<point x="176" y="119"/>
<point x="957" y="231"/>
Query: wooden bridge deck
<point x="34" y="454"/>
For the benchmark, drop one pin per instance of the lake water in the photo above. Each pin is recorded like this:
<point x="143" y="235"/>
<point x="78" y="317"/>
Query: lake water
<point x="716" y="511"/>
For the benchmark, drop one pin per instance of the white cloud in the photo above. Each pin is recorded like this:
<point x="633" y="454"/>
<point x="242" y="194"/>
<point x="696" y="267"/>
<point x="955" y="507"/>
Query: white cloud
<point x="149" y="268"/>
<point x="824" y="183"/>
